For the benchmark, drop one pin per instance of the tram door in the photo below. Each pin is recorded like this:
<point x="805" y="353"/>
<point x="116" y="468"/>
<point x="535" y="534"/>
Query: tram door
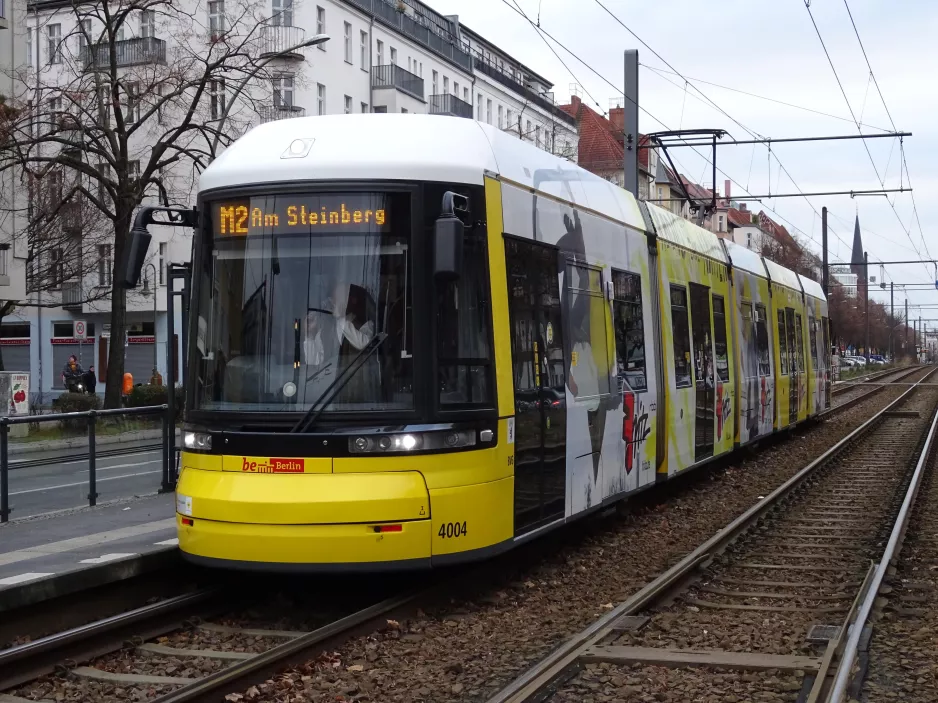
<point x="794" y="379"/>
<point x="703" y="371"/>
<point x="539" y="382"/>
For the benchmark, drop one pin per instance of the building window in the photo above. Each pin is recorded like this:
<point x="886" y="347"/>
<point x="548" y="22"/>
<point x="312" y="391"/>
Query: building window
<point x="216" y="17"/>
<point x="420" y="73"/>
<point x="4" y="256"/>
<point x="104" y="264"/>
<point x="132" y="97"/>
<point x="465" y="94"/>
<point x="56" y="266"/>
<point x="29" y="48"/>
<point x="679" y="321"/>
<point x="364" y="51"/>
<point x="364" y="108"/>
<point x="403" y="110"/>
<point x="321" y="25"/>
<point x="749" y="240"/>
<point x="147" y="23"/>
<point x="721" y="220"/>
<point x="508" y="121"/>
<point x="629" y="326"/>
<point x="217" y="98"/>
<point x="380" y="109"/>
<point x="380" y="45"/>
<point x="501" y="117"/>
<point x="321" y="98"/>
<point x="479" y="107"/>
<point x="445" y="85"/>
<point x="54" y="187"/>
<point x="348" y="43"/>
<point x="537" y="135"/>
<point x="348" y="104"/>
<point x="283" y="92"/>
<point x="488" y="110"/>
<point x="435" y="82"/>
<point x="527" y="132"/>
<point x="162" y="263"/>
<point x="456" y="89"/>
<point x="54" y="42"/>
<point x="84" y="35"/>
<point x="283" y="13"/>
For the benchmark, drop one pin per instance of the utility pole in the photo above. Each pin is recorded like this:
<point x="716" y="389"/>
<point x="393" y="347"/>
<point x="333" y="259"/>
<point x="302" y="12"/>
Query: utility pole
<point x="866" y="289"/>
<point x="905" y="334"/>
<point x="630" y="110"/>
<point x="892" y="313"/>
<point x="922" y="335"/>
<point x="824" y="281"/>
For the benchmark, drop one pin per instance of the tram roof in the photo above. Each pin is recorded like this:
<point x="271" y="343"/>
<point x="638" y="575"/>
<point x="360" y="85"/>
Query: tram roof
<point x="811" y="287"/>
<point x="781" y="275"/>
<point x="677" y="230"/>
<point x="408" y="147"/>
<point x="745" y="259"/>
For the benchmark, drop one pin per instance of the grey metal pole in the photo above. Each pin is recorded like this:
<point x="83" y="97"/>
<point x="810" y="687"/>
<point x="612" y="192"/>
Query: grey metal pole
<point x="905" y="334"/>
<point x="892" y="313"/>
<point x="866" y="288"/>
<point x="630" y="110"/>
<point x="92" y="462"/>
<point x="824" y="279"/>
<point x="4" y="470"/>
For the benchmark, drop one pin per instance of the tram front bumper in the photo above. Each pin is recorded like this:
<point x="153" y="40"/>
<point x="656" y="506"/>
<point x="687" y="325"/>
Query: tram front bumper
<point x="318" y="521"/>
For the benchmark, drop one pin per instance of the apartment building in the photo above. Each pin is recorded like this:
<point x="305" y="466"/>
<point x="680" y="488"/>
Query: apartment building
<point x="382" y="56"/>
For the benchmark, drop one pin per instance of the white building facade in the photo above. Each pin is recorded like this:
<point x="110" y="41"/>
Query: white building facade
<point x="383" y="56"/>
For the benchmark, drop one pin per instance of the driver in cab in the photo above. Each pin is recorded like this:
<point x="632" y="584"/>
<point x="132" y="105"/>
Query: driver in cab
<point x="329" y="337"/>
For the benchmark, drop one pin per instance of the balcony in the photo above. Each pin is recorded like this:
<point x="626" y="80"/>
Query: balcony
<point x="511" y="82"/>
<point x="129" y="52"/>
<point x="72" y="296"/>
<point x="272" y="113"/>
<point x="277" y="40"/>
<point x="446" y="104"/>
<point x="417" y="28"/>
<point x="392" y="76"/>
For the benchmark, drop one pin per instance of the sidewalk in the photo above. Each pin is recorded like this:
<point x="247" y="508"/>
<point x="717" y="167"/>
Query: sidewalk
<point x="55" y="554"/>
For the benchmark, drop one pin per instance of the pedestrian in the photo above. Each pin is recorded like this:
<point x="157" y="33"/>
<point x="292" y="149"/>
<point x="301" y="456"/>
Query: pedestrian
<point x="91" y="380"/>
<point x="156" y="379"/>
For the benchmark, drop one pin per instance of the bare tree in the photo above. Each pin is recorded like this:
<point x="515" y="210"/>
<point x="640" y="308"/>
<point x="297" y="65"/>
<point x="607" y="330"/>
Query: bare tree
<point x="131" y="101"/>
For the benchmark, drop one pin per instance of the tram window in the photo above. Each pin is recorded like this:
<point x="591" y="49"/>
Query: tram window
<point x="762" y="341"/>
<point x="628" y="322"/>
<point x="812" y="341"/>
<point x="719" y="339"/>
<point x="681" y="332"/>
<point x="750" y="369"/>
<point x="782" y="344"/>
<point x="799" y="344"/>
<point x="463" y="329"/>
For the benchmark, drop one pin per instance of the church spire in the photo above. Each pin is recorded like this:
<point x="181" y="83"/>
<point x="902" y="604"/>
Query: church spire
<point x="857" y="262"/>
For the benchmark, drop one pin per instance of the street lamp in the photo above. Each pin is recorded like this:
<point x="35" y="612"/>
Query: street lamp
<point x="145" y="292"/>
<point x="312" y="41"/>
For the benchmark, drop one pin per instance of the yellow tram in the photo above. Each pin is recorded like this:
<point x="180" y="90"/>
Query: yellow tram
<point x="417" y="340"/>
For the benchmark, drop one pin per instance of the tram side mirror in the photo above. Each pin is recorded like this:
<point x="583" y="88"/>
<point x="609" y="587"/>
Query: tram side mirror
<point x="448" y="235"/>
<point x="136" y="256"/>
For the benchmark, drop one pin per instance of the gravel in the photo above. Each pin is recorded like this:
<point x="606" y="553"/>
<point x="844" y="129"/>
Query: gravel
<point x="470" y="647"/>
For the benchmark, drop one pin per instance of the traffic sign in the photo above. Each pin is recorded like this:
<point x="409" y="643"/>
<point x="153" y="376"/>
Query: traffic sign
<point x="81" y="329"/>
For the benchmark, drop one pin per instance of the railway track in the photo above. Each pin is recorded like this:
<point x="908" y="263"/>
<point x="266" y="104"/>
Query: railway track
<point x="761" y="610"/>
<point x="848" y="396"/>
<point x="181" y="649"/>
<point x="869" y="378"/>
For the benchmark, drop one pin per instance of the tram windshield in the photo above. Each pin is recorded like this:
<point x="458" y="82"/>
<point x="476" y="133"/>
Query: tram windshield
<point x="292" y="288"/>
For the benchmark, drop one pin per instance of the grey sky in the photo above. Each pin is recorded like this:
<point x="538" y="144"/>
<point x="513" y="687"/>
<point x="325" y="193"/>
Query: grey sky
<point x="768" y="47"/>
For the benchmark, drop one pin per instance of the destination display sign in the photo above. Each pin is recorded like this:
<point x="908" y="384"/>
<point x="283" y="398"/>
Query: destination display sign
<point x="285" y="214"/>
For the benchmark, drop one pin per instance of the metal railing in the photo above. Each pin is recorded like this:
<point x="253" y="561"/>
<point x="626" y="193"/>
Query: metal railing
<point x="71" y="294"/>
<point x="277" y="39"/>
<point x="90" y="417"/>
<point x="388" y="13"/>
<point x="494" y="73"/>
<point x="393" y="76"/>
<point x="272" y="113"/>
<point x="129" y="52"/>
<point x="446" y="104"/>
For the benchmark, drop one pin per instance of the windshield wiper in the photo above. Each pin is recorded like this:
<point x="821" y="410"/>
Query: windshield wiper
<point x="338" y="384"/>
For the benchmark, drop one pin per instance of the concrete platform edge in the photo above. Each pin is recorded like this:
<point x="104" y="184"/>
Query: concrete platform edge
<point x="69" y="582"/>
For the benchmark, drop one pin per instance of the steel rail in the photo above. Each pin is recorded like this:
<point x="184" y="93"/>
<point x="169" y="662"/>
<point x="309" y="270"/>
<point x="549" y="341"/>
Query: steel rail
<point x="860" y="398"/>
<point x="28" y="661"/>
<point x="542" y="674"/>
<point x="846" y="385"/>
<point x="841" y="680"/>
<point x="233" y="677"/>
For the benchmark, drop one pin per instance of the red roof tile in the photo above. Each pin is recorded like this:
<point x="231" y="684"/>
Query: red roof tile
<point x="601" y="141"/>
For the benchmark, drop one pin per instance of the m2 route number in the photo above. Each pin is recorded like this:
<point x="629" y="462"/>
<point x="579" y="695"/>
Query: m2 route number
<point x="452" y="529"/>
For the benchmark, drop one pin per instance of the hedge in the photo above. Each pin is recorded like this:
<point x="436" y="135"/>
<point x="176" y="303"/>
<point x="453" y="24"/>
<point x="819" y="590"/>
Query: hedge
<point x="145" y="395"/>
<point x="73" y="403"/>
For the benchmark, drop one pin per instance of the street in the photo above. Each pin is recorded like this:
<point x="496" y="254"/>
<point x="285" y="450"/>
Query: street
<point x="61" y="485"/>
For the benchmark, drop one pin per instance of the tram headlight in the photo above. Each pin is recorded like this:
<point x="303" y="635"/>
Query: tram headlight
<point x="200" y="441"/>
<point x="413" y="442"/>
